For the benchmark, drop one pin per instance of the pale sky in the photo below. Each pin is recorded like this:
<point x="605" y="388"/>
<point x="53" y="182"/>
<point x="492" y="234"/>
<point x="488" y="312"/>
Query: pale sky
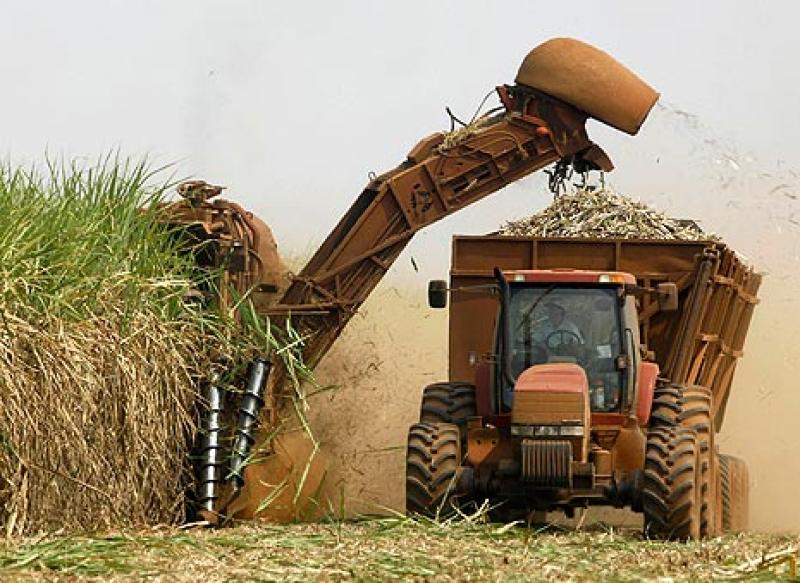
<point x="291" y="104"/>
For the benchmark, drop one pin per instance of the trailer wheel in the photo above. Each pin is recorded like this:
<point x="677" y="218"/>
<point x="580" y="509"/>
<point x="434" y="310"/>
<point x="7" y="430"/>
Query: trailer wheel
<point x="689" y="406"/>
<point x="448" y="403"/>
<point x="432" y="461"/>
<point x="670" y="494"/>
<point x="735" y="493"/>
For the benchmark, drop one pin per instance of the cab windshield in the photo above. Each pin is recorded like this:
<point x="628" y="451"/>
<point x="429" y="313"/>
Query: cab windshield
<point x="581" y="325"/>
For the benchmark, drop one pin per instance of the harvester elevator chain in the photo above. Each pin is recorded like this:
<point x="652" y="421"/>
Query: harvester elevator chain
<point x="452" y="402"/>
<point x="670" y="495"/>
<point x="432" y="460"/>
<point x="689" y="406"/>
<point x="734" y="484"/>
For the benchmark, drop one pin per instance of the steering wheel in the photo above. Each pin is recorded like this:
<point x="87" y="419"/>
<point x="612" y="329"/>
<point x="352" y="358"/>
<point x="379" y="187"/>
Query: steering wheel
<point x="566" y="338"/>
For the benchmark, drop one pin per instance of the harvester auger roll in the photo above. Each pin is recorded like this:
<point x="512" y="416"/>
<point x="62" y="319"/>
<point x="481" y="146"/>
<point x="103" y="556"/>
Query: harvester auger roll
<point x="559" y="86"/>
<point x="211" y="463"/>
<point x="247" y="426"/>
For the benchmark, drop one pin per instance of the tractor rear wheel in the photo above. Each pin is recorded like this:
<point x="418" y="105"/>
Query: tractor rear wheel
<point x="689" y="406"/>
<point x="448" y="403"/>
<point x="734" y="480"/>
<point x="432" y="461"/>
<point x="671" y="497"/>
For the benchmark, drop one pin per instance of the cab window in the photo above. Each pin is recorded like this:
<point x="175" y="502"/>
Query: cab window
<point x="574" y="324"/>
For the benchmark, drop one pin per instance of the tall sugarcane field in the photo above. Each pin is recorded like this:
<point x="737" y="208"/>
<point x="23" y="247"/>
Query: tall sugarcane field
<point x="250" y="329"/>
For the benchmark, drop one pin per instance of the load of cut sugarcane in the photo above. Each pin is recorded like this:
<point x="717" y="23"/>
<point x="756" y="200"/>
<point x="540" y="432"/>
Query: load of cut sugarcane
<point x="603" y="213"/>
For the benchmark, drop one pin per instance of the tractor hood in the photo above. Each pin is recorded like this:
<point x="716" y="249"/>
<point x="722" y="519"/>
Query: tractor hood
<point x="590" y="80"/>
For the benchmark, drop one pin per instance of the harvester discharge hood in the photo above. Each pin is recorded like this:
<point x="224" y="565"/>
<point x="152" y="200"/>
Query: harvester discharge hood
<point x="590" y="80"/>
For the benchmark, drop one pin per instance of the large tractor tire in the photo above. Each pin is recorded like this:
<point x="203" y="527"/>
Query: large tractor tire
<point x="448" y="403"/>
<point x="671" y="494"/>
<point x="432" y="460"/>
<point x="689" y="406"/>
<point x="734" y="482"/>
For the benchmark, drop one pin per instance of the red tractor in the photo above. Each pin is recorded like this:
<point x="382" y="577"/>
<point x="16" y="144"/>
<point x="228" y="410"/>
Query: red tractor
<point x="587" y="372"/>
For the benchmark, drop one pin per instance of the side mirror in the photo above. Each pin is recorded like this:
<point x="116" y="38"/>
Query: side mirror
<point x="437" y="293"/>
<point x="667" y="296"/>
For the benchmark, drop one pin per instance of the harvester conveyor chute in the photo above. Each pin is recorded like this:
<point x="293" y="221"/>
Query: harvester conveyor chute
<point x="445" y="173"/>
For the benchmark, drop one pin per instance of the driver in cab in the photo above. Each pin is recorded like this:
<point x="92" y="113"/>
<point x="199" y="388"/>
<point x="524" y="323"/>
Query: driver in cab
<point x="552" y="338"/>
<point x="556" y="329"/>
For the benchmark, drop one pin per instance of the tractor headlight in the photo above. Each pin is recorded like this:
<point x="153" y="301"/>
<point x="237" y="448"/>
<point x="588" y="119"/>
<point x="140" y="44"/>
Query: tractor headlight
<point x="547" y="430"/>
<point x="571" y="430"/>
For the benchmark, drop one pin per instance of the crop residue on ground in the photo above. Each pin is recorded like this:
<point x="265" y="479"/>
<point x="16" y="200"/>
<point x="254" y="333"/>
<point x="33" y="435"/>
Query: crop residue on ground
<point x="380" y="550"/>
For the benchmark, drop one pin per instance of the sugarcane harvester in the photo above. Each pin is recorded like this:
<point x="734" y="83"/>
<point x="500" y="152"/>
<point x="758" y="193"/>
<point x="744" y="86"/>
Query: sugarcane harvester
<point x="540" y="122"/>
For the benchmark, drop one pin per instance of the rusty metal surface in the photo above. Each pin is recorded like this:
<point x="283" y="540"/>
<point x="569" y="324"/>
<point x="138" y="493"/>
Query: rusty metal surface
<point x="432" y="183"/>
<point x="481" y="444"/>
<point x="725" y="302"/>
<point x="629" y="447"/>
<point x="486" y="448"/>
<point x="232" y="238"/>
<point x="441" y="175"/>
<point x="591" y="80"/>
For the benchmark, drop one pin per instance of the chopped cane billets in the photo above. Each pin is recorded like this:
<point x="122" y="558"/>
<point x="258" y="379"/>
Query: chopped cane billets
<point x="602" y="213"/>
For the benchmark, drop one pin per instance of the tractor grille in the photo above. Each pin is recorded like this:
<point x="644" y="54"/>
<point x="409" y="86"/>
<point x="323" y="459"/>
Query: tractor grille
<point x="547" y="463"/>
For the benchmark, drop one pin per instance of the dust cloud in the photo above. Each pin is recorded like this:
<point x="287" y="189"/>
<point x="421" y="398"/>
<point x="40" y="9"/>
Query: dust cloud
<point x="387" y="354"/>
<point x="761" y="423"/>
<point x="285" y="485"/>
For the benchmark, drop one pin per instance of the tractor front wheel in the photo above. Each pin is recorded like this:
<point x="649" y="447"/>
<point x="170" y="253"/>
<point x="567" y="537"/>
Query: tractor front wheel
<point x="433" y="458"/>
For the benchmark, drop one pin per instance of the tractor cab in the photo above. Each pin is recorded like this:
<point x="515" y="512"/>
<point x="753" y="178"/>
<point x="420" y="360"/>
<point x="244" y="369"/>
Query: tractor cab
<point x="573" y="318"/>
